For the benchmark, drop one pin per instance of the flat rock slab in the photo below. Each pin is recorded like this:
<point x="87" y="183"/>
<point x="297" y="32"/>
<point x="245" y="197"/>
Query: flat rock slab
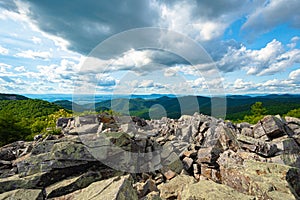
<point x="209" y="190"/>
<point x="116" y="188"/>
<point x="24" y="194"/>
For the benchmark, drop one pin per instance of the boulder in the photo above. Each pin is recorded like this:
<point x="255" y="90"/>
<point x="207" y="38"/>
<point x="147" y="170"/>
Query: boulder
<point x="209" y="190"/>
<point x="208" y="155"/>
<point x="116" y="188"/>
<point x="12" y="151"/>
<point x="173" y="188"/>
<point x="263" y="180"/>
<point x="87" y="119"/>
<point x="63" y="122"/>
<point x="146" y="188"/>
<point x="273" y="126"/>
<point x="258" y="130"/>
<point x="24" y="194"/>
<point x="292" y="120"/>
<point x="187" y="163"/>
<point x="84" y="129"/>
<point x="247" y="132"/>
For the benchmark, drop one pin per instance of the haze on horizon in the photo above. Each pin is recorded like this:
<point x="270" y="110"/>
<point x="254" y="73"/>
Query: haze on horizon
<point x="254" y="44"/>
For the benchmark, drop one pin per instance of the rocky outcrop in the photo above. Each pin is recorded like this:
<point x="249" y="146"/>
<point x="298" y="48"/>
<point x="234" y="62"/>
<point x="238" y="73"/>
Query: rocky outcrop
<point x="121" y="157"/>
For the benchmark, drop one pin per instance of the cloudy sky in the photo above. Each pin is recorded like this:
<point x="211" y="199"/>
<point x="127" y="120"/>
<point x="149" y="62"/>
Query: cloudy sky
<point x="62" y="46"/>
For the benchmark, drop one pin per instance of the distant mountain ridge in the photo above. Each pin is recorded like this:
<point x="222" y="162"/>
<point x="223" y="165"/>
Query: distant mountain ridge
<point x="237" y="105"/>
<point x="4" y="96"/>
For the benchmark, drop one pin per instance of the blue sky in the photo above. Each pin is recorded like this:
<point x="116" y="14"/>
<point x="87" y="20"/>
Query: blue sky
<point x="254" y="46"/>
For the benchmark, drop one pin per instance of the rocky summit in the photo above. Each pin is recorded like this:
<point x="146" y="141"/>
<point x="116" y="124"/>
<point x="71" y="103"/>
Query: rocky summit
<point x="195" y="157"/>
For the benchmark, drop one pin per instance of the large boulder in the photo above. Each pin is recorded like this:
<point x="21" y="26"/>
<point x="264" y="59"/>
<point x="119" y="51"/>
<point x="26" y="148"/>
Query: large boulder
<point x="264" y="180"/>
<point x="269" y="126"/>
<point x="209" y="190"/>
<point x="24" y="194"/>
<point x="173" y="188"/>
<point x="116" y="188"/>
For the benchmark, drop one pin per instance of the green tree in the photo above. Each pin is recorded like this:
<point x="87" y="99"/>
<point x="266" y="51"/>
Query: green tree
<point x="258" y="112"/>
<point x="11" y="128"/>
<point x="257" y="109"/>
<point x="294" y="113"/>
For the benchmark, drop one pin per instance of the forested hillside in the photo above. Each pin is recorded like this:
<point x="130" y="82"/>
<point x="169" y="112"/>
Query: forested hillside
<point x="22" y="119"/>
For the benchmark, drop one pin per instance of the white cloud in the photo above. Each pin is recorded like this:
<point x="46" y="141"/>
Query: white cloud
<point x="240" y="84"/>
<point x="36" y="40"/>
<point x="20" y="69"/>
<point x="34" y="54"/>
<point x="181" y="17"/>
<point x="146" y="84"/>
<point x="3" y="51"/>
<point x="294" y="41"/>
<point x="4" y="67"/>
<point x="272" y="13"/>
<point x="295" y="76"/>
<point x="265" y="61"/>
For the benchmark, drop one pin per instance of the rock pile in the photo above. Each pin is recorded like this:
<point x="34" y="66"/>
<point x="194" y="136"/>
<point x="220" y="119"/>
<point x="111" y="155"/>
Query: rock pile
<point x="194" y="157"/>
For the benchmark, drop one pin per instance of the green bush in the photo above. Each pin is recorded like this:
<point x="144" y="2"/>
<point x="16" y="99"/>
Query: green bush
<point x="294" y="113"/>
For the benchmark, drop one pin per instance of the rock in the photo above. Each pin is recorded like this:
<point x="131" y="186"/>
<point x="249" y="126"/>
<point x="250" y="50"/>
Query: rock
<point x="259" y="179"/>
<point x="152" y="196"/>
<point x="12" y="151"/>
<point x="207" y="189"/>
<point x="36" y="181"/>
<point x="173" y="188"/>
<point x="292" y="120"/>
<point x="72" y="184"/>
<point x="208" y="155"/>
<point x="84" y="129"/>
<point x="139" y="121"/>
<point x="169" y="174"/>
<point x="247" y="132"/>
<point x="272" y="126"/>
<point x="43" y="147"/>
<point x="190" y="154"/>
<point x="117" y="188"/>
<point x="206" y="171"/>
<point x="129" y="129"/>
<point x="24" y="194"/>
<point x="229" y="158"/>
<point x="63" y="122"/>
<point x="146" y="188"/>
<point x="266" y="149"/>
<point x="243" y="125"/>
<point x="261" y="161"/>
<point x="37" y="137"/>
<point x="71" y="151"/>
<point x="159" y="179"/>
<point x="258" y="130"/>
<point x="187" y="163"/>
<point x="88" y="119"/>
<point x="292" y="177"/>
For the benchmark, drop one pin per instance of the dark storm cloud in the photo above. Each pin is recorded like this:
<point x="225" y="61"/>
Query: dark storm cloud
<point x="86" y="23"/>
<point x="8" y="5"/>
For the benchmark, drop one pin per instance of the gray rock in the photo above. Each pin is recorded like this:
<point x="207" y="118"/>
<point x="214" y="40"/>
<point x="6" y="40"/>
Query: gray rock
<point x="273" y="126"/>
<point x="187" y="163"/>
<point x="258" y="130"/>
<point x="208" y="155"/>
<point x="116" y="188"/>
<point x="247" y="132"/>
<point x="24" y="194"/>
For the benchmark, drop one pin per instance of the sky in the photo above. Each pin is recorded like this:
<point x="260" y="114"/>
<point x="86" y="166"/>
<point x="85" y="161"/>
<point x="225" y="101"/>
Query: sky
<point x="150" y="46"/>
